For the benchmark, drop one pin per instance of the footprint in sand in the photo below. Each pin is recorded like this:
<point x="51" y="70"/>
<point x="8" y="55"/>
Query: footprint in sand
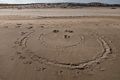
<point x="27" y="62"/>
<point x="69" y="31"/>
<point x="22" y="57"/>
<point x="19" y="25"/>
<point x="55" y="31"/>
<point x="23" y="33"/>
<point x="40" y="68"/>
<point x="30" y="27"/>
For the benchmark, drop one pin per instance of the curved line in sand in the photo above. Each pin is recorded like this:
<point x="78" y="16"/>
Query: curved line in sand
<point x="104" y="54"/>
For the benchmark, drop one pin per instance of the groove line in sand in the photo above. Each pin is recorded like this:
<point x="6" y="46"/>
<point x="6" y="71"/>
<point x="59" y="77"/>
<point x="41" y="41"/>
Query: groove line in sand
<point x="23" y="41"/>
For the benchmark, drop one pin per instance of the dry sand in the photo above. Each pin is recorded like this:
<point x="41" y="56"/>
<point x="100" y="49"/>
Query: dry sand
<point x="58" y="46"/>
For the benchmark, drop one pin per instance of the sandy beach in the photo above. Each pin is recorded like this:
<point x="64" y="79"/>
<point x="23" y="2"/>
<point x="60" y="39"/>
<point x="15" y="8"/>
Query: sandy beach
<point x="60" y="44"/>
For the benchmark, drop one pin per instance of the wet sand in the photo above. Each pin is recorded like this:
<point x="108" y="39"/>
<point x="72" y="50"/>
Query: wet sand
<point x="62" y="12"/>
<point x="60" y="47"/>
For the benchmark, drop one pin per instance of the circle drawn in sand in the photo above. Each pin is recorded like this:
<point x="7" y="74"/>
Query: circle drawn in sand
<point x="64" y="49"/>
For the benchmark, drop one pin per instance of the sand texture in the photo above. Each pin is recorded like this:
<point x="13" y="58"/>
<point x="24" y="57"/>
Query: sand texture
<point x="72" y="45"/>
